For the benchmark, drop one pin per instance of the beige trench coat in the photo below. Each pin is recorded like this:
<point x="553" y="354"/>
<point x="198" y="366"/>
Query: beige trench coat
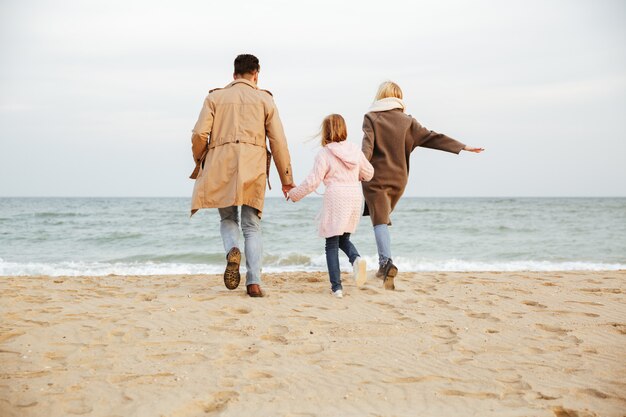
<point x="229" y="147"/>
<point x="389" y="137"/>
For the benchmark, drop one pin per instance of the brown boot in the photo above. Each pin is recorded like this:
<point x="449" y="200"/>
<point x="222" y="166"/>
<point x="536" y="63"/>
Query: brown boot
<point x="231" y="274"/>
<point x="254" y="290"/>
<point x="389" y="272"/>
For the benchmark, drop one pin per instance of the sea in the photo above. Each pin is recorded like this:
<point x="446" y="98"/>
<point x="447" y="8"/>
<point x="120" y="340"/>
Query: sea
<point x="150" y="236"/>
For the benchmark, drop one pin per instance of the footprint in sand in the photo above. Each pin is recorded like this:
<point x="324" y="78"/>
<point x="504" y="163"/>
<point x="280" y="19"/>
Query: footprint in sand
<point x="565" y="412"/>
<point x="10" y="335"/>
<point x="147" y="297"/>
<point x="533" y="304"/>
<point x="444" y="303"/>
<point x="217" y="403"/>
<point x="369" y="291"/>
<point x="278" y="329"/>
<point x="26" y="403"/>
<point x="259" y="375"/>
<point x="551" y="329"/>
<point x="446" y="333"/>
<point x="514" y="383"/>
<point x="481" y="395"/>
<point x="484" y="316"/>
<point x="308" y="349"/>
<point x="618" y="327"/>
<point x="276" y="334"/>
<point x="240" y="310"/>
<point x="589" y="303"/>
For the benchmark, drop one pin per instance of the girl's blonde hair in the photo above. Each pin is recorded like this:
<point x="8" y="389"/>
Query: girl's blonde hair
<point x="389" y="89"/>
<point x="333" y="129"/>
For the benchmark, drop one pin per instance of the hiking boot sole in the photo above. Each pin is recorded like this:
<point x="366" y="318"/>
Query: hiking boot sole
<point x="231" y="274"/>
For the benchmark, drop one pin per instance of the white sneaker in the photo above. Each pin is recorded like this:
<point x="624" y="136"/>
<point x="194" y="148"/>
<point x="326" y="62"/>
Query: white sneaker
<point x="360" y="271"/>
<point x="338" y="294"/>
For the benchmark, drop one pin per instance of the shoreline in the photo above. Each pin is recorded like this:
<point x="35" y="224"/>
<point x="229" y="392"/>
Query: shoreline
<point x="444" y="343"/>
<point x="217" y="270"/>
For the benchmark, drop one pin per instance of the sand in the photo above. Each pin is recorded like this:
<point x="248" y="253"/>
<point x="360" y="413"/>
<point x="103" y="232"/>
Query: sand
<point x="442" y="344"/>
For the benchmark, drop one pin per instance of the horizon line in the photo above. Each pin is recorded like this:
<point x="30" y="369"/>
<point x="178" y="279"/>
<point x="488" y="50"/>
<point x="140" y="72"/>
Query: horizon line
<point x="276" y="197"/>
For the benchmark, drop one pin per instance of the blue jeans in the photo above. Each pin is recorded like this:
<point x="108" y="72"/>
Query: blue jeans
<point x="333" y="244"/>
<point x="383" y="242"/>
<point x="253" y="240"/>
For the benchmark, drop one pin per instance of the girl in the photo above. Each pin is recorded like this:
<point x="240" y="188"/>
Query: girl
<point x="341" y="165"/>
<point x="389" y="137"/>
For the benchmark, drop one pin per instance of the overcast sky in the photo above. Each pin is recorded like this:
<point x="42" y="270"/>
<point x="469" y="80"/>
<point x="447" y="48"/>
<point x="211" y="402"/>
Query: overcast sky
<point x="99" y="98"/>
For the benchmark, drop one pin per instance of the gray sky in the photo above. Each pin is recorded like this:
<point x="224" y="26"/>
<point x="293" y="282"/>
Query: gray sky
<point x="99" y="98"/>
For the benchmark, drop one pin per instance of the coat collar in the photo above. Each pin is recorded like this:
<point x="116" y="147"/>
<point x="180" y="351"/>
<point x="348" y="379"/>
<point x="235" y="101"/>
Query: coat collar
<point x="386" y="104"/>
<point x="242" y="81"/>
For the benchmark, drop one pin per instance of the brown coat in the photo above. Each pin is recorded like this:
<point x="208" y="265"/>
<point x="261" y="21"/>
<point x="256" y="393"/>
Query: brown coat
<point x="229" y="147"/>
<point x="389" y="137"/>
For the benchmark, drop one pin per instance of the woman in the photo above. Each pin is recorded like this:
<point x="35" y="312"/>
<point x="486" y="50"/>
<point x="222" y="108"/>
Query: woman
<point x="389" y="137"/>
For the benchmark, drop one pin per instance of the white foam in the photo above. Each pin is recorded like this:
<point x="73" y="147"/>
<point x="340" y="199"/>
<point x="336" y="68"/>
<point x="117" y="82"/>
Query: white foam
<point x="310" y="263"/>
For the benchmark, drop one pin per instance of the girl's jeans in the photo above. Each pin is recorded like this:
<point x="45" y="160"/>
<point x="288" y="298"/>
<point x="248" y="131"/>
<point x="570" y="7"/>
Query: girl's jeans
<point x="333" y="244"/>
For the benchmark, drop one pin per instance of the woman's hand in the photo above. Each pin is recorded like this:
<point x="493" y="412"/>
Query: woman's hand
<point x="475" y="150"/>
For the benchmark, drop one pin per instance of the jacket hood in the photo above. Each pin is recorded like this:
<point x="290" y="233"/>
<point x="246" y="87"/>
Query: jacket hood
<point x="346" y="152"/>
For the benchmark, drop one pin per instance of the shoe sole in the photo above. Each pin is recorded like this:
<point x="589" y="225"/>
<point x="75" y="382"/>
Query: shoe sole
<point x="388" y="282"/>
<point x="361" y="275"/>
<point x="231" y="274"/>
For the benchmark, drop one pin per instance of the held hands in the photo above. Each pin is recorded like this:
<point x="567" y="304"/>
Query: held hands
<point x="286" y="189"/>
<point x="475" y="150"/>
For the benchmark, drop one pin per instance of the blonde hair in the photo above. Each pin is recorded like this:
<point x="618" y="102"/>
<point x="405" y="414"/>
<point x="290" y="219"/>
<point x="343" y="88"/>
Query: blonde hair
<point x="333" y="129"/>
<point x="388" y="89"/>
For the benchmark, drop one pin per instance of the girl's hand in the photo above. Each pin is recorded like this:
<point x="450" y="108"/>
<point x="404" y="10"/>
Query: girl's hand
<point x="475" y="150"/>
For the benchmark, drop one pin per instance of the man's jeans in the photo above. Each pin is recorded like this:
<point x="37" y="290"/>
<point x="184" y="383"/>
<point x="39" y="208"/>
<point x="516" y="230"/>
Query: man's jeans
<point x="253" y="240"/>
<point x="332" y="257"/>
<point x="383" y="242"/>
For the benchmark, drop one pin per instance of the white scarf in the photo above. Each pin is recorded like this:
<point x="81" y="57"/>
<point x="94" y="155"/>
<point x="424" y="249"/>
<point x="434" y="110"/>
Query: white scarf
<point x="385" y="104"/>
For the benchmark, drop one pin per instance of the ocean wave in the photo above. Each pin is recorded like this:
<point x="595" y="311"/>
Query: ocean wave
<point x="175" y="258"/>
<point x="103" y="268"/>
<point x="287" y="263"/>
<point x="53" y="214"/>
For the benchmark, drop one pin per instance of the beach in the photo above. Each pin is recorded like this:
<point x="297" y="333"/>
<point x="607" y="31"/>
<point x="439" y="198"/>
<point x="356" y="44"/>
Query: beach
<point x="442" y="344"/>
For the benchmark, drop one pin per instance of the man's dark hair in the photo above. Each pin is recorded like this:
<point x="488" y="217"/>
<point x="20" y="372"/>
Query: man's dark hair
<point x="246" y="64"/>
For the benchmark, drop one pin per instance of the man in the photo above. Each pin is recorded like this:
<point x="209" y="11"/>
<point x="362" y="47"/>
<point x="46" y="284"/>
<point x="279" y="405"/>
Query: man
<point x="232" y="165"/>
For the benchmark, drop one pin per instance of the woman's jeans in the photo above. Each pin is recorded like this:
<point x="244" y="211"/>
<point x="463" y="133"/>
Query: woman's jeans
<point x="253" y="240"/>
<point x="383" y="242"/>
<point x="333" y="244"/>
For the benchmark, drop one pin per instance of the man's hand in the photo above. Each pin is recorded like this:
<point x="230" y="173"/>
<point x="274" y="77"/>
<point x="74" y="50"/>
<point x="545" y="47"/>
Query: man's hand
<point x="471" y="149"/>
<point x="286" y="189"/>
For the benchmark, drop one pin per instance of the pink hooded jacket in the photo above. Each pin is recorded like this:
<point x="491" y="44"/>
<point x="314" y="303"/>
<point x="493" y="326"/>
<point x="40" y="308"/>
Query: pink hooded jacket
<point x="341" y="165"/>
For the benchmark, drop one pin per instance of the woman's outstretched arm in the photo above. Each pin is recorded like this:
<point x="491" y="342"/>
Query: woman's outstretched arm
<point x="429" y="139"/>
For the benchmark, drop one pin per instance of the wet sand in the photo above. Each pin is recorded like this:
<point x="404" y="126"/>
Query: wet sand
<point x="442" y="344"/>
